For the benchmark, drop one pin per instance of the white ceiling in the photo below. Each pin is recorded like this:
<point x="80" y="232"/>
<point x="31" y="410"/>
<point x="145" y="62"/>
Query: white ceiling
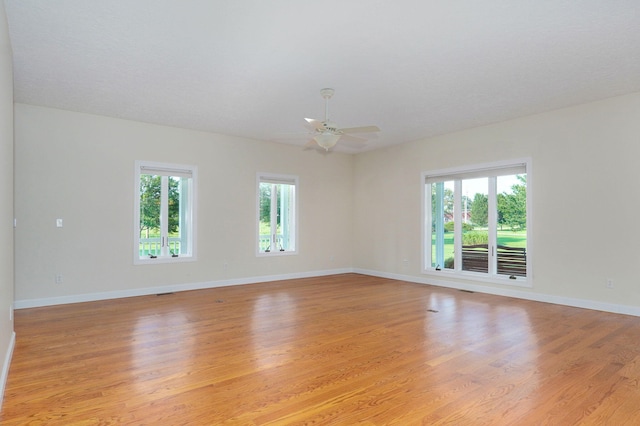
<point x="254" y="68"/>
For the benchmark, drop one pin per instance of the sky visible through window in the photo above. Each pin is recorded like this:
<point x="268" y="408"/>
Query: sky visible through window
<point x="504" y="184"/>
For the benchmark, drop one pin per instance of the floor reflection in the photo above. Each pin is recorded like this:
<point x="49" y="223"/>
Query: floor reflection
<point x="483" y="339"/>
<point x="274" y="329"/>
<point x="162" y="345"/>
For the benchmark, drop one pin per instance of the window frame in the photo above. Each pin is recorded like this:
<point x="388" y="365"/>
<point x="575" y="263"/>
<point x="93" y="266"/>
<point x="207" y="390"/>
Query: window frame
<point x="278" y="179"/>
<point x="178" y="169"/>
<point x="457" y="174"/>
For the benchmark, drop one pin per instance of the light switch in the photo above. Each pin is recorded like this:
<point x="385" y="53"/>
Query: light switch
<point x="59" y="223"/>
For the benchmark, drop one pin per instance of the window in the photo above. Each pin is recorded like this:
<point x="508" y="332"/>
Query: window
<point x="476" y="222"/>
<point x="277" y="230"/>
<point x="164" y="215"/>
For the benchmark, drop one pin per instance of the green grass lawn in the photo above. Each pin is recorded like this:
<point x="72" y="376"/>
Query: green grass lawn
<point x="512" y="238"/>
<point x="505" y="238"/>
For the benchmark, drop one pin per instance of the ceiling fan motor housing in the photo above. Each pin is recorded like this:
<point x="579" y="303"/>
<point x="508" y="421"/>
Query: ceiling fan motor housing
<point x="328" y="126"/>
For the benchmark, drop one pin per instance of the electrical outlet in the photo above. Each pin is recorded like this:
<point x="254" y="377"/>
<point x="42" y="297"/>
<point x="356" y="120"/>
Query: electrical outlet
<point x="609" y="283"/>
<point x="11" y="312"/>
<point x="58" y="278"/>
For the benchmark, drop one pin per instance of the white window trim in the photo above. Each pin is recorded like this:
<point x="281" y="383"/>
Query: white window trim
<point x="427" y="269"/>
<point x="178" y="169"/>
<point x="275" y="178"/>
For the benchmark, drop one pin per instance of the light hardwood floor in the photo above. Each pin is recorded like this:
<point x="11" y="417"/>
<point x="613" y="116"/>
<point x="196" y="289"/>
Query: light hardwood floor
<point x="341" y="350"/>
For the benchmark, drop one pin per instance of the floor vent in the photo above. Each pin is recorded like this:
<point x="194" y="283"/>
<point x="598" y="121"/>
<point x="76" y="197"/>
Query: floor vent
<point x="164" y="294"/>
<point x="432" y="310"/>
<point x="467" y="291"/>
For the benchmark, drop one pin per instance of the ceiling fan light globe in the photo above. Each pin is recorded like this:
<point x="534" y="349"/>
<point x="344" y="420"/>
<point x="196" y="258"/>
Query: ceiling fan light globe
<point x="326" y="140"/>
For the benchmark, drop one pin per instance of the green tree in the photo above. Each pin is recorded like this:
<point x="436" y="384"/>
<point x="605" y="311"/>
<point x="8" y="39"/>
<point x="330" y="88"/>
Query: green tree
<point x="266" y="190"/>
<point x="265" y="202"/>
<point x="479" y="213"/>
<point x="150" y="192"/>
<point x="447" y="201"/>
<point x="149" y="203"/>
<point x="502" y="200"/>
<point x="174" y="205"/>
<point x="512" y="208"/>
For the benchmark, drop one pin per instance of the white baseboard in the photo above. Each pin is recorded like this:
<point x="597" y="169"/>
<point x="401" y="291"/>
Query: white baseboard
<point x="5" y="366"/>
<point x="511" y="292"/>
<point x="498" y="291"/>
<point x="91" y="297"/>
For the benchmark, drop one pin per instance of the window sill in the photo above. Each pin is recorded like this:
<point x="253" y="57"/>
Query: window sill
<point x="276" y="253"/>
<point x="164" y="260"/>
<point x="480" y="277"/>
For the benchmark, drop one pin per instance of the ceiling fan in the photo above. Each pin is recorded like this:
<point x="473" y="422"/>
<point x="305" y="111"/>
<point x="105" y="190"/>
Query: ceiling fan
<point x="326" y="133"/>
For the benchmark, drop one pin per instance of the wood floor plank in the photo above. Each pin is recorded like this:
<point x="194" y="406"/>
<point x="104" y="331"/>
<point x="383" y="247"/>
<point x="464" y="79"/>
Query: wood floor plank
<point x="344" y="349"/>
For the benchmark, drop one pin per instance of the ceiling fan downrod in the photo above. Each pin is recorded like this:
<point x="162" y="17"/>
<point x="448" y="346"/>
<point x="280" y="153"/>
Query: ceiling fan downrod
<point x="326" y="93"/>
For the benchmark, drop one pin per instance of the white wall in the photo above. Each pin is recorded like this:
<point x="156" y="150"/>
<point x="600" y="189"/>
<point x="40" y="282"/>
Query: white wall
<point x="80" y="168"/>
<point x="586" y="200"/>
<point x="6" y="200"/>
<point x="364" y="210"/>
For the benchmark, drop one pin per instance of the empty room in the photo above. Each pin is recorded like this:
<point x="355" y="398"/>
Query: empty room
<point x="303" y="212"/>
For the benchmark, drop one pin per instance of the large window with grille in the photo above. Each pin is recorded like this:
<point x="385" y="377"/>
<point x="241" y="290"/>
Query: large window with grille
<point x="476" y="221"/>
<point x="164" y="213"/>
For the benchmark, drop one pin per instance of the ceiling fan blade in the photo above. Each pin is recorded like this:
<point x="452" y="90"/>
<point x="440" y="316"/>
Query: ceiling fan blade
<point x="364" y="129"/>
<point x="312" y="145"/>
<point x="349" y="138"/>
<point x="313" y="124"/>
<point x="309" y="144"/>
